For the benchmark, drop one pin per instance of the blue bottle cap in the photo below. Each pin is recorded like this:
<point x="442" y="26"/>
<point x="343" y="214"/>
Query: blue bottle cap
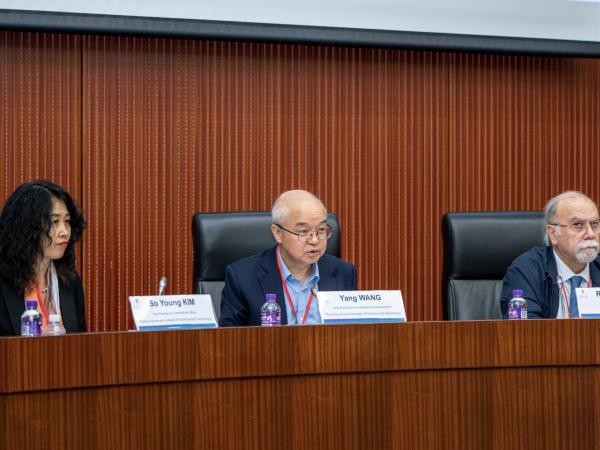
<point x="31" y="304"/>
<point x="517" y="292"/>
<point x="270" y="297"/>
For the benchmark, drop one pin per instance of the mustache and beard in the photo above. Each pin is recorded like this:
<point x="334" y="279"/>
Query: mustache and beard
<point x="587" y="251"/>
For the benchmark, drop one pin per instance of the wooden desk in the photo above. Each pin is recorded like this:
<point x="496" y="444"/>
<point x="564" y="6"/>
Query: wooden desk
<point x="434" y="385"/>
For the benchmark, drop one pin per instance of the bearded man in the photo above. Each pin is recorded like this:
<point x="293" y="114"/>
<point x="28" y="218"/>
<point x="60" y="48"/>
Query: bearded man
<point x="550" y="274"/>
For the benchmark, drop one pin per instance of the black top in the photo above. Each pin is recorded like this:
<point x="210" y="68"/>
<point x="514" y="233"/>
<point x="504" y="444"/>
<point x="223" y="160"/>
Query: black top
<point x="12" y="305"/>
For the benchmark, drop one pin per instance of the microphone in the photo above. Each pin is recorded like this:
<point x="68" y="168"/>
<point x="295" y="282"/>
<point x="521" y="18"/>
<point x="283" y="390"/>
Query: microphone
<point x="313" y="290"/>
<point x="162" y="285"/>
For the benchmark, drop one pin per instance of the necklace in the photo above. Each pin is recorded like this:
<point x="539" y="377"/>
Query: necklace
<point x="44" y="290"/>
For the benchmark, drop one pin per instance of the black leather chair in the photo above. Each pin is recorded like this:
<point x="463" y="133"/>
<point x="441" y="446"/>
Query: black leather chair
<point x="223" y="238"/>
<point x="478" y="248"/>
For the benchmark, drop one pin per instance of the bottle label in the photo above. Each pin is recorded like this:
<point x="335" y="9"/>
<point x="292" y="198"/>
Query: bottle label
<point x="517" y="313"/>
<point x="270" y="318"/>
<point x="31" y="328"/>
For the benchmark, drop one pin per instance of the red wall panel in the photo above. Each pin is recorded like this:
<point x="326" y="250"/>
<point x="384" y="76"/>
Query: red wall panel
<point x="523" y="130"/>
<point x="145" y="132"/>
<point x="40" y="110"/>
<point x="173" y="127"/>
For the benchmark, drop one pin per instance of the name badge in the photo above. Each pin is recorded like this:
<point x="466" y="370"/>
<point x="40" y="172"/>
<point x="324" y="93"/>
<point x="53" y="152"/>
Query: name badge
<point x="588" y="302"/>
<point x="166" y="312"/>
<point x="361" y="306"/>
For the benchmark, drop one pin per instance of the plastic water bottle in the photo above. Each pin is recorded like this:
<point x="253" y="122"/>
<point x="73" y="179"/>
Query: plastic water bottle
<point x="31" y="321"/>
<point x="270" y="313"/>
<point x="54" y="327"/>
<point x="517" y="306"/>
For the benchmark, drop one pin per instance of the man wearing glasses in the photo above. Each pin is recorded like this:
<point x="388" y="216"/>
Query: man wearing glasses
<point x="549" y="275"/>
<point x="293" y="270"/>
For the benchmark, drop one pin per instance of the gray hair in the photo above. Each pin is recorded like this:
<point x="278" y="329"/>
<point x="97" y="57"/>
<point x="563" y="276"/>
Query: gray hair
<point x="552" y="207"/>
<point x="281" y="207"/>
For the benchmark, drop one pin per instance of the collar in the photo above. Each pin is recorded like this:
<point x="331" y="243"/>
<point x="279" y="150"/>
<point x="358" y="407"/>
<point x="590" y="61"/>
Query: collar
<point x="313" y="278"/>
<point x="565" y="273"/>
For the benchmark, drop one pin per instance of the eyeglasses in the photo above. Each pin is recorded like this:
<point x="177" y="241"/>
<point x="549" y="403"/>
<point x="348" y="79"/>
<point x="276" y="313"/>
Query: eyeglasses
<point x="323" y="233"/>
<point x="578" y="226"/>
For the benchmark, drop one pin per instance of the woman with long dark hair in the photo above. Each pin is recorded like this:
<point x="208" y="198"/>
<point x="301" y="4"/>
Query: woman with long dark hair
<point x="39" y="226"/>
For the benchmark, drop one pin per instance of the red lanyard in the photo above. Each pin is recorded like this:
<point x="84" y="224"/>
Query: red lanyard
<point x="289" y="297"/>
<point x="567" y="301"/>
<point x="41" y="304"/>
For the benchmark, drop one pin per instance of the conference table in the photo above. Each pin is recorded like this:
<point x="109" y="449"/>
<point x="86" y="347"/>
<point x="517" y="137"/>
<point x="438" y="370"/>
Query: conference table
<point x="421" y="385"/>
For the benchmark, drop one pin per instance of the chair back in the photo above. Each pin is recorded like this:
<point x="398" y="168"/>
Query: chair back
<point x="478" y="249"/>
<point x="222" y="238"/>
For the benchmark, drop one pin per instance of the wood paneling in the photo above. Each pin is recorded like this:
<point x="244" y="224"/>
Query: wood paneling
<point x="444" y="385"/>
<point x="40" y="110"/>
<point x="174" y="127"/>
<point x="523" y="129"/>
<point x="145" y="132"/>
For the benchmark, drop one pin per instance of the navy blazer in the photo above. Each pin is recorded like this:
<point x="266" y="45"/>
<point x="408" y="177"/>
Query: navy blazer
<point x="249" y="279"/>
<point x="12" y="305"/>
<point x="535" y="273"/>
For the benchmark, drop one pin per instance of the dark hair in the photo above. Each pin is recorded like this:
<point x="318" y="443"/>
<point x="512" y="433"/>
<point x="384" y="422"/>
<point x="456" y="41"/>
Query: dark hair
<point x="25" y="225"/>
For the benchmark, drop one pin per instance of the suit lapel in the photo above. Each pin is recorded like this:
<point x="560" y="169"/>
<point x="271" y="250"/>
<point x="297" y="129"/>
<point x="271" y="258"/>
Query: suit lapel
<point x="327" y="282"/>
<point x="595" y="274"/>
<point x="67" y="307"/>
<point x="270" y="281"/>
<point x="15" y="304"/>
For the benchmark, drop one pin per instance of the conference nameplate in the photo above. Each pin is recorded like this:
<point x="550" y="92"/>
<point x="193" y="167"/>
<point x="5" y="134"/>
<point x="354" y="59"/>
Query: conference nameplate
<point x="588" y="302"/>
<point x="361" y="306"/>
<point x="167" y="312"/>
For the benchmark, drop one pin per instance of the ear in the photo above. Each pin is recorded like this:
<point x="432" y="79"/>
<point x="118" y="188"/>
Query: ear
<point x="551" y="230"/>
<point x="276" y="233"/>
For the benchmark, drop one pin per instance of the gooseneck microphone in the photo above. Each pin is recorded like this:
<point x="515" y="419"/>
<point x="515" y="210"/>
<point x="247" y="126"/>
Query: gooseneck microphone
<point x="162" y="285"/>
<point x="314" y="289"/>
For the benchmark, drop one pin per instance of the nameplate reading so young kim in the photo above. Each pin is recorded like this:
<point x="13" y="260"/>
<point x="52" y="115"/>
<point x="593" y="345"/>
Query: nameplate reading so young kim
<point x="165" y="312"/>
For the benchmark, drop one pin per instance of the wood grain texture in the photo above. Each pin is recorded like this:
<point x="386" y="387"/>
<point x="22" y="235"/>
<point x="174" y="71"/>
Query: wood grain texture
<point x="175" y="127"/>
<point x="40" y="110"/>
<point x="446" y="385"/>
<point x="523" y="130"/>
<point x="144" y="132"/>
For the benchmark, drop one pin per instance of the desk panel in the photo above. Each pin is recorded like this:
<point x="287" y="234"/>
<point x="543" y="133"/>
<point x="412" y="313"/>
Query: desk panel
<point x="443" y="385"/>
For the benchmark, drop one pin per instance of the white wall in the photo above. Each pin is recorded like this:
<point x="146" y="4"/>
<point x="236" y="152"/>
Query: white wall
<point x="552" y="19"/>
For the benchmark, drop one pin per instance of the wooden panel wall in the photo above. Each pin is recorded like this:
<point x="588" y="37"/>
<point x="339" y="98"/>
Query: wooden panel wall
<point x="389" y="139"/>
<point x="176" y="127"/>
<point x="522" y="129"/>
<point x="40" y="110"/>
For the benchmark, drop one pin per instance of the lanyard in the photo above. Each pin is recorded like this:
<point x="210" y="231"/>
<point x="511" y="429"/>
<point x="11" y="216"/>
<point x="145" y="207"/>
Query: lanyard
<point x="289" y="297"/>
<point x="41" y="304"/>
<point x="564" y="293"/>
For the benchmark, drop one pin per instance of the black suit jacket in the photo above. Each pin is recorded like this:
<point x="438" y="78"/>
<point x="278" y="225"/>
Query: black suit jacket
<point x="248" y="280"/>
<point x="12" y="306"/>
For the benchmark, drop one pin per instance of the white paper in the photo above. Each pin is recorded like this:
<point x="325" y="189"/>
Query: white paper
<point x="163" y="312"/>
<point x="588" y="302"/>
<point x="361" y="306"/>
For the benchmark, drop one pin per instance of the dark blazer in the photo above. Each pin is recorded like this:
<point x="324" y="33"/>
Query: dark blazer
<point x="535" y="273"/>
<point x="12" y="306"/>
<point x="248" y="280"/>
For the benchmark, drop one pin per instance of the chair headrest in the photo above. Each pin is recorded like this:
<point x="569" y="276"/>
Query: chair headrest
<point x="223" y="238"/>
<point x="481" y="245"/>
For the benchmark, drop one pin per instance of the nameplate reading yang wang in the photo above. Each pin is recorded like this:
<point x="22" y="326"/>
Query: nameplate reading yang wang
<point x="361" y="306"/>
